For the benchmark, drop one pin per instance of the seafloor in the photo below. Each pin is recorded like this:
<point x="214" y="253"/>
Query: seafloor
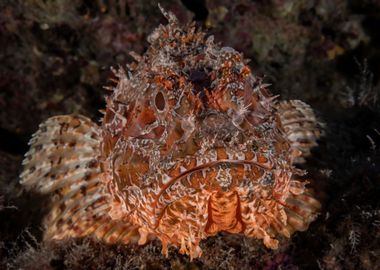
<point x="56" y="55"/>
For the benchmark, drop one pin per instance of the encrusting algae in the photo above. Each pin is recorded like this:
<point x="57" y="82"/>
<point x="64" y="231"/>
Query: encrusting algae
<point x="191" y="144"/>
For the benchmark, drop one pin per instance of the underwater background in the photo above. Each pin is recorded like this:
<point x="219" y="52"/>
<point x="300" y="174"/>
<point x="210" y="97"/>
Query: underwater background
<point x="55" y="58"/>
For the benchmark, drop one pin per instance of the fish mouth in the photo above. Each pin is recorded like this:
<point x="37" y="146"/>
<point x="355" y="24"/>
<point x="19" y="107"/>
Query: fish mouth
<point x="219" y="162"/>
<point x="213" y="164"/>
<point x="165" y="190"/>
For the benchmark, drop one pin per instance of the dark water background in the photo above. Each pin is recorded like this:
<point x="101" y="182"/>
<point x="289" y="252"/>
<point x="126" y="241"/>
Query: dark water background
<point x="55" y="58"/>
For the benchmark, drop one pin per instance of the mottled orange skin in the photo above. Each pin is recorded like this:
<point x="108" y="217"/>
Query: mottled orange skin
<point x="193" y="145"/>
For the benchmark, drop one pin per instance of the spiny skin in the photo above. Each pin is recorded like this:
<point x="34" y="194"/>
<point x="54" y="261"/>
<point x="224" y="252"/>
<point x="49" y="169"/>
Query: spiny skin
<point x="191" y="144"/>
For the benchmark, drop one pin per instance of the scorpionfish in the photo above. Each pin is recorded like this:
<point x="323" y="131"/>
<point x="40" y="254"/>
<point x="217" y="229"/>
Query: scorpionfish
<point x="191" y="144"/>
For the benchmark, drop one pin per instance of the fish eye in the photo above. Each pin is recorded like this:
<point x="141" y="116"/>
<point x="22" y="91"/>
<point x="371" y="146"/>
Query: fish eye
<point x="159" y="101"/>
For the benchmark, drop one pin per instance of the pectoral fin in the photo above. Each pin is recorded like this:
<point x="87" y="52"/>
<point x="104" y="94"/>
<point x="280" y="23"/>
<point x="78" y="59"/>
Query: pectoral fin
<point x="300" y="125"/>
<point x="63" y="162"/>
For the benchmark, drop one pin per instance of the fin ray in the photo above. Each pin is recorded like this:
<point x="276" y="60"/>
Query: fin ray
<point x="62" y="161"/>
<point x="300" y="126"/>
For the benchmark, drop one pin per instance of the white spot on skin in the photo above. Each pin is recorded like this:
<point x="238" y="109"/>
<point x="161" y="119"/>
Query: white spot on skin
<point x="224" y="177"/>
<point x="165" y="178"/>
<point x="247" y="167"/>
<point x="230" y="154"/>
<point x="240" y="156"/>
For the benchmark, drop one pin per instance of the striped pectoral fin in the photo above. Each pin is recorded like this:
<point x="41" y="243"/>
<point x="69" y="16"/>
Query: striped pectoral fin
<point x="63" y="152"/>
<point x="88" y="215"/>
<point x="301" y="207"/>
<point x="63" y="162"/>
<point x="301" y="127"/>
